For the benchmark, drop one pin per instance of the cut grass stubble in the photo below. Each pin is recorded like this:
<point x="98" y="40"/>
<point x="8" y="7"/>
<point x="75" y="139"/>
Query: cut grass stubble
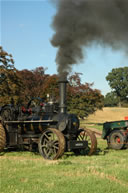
<point x="105" y="172"/>
<point x="26" y="172"/>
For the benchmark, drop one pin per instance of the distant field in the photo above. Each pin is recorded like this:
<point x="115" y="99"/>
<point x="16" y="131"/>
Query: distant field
<point x="108" y="114"/>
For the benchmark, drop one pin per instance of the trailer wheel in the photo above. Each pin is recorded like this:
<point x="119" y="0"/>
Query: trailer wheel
<point x="51" y="144"/>
<point x="116" y="140"/>
<point x="89" y="136"/>
<point x="2" y="138"/>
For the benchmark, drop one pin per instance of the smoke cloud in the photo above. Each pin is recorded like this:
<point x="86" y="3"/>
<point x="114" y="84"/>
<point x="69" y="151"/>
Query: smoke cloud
<point x="80" y="23"/>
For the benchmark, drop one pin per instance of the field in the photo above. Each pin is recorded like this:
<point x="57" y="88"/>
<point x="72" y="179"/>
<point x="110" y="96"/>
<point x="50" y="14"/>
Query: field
<point x="97" y="119"/>
<point x="108" y="114"/>
<point x="104" y="172"/>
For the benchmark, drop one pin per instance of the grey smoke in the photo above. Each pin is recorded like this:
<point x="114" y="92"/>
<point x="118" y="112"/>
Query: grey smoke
<point x="80" y="23"/>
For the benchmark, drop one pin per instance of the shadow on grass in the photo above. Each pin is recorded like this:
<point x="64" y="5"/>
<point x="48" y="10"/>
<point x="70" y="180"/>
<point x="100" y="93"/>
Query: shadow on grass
<point x="90" y="123"/>
<point x="16" y="150"/>
<point x="99" y="152"/>
<point x="99" y="124"/>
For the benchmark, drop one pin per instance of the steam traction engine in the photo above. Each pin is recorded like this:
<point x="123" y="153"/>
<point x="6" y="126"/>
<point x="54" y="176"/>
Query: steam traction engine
<point x="41" y="127"/>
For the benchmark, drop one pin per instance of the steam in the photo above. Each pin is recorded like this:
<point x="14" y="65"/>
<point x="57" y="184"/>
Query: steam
<point x="79" y="23"/>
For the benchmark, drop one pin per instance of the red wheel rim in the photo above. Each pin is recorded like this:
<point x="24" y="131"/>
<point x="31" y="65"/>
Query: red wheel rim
<point x="118" y="140"/>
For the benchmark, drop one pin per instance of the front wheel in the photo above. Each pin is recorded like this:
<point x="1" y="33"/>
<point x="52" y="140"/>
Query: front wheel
<point x="51" y="144"/>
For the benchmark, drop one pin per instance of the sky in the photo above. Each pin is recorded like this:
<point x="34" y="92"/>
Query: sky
<point x="26" y="31"/>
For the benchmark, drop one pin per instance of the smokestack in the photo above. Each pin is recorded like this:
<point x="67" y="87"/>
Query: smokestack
<point x="63" y="90"/>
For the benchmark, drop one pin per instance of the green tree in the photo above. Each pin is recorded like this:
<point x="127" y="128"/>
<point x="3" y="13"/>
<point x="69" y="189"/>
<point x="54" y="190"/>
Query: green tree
<point x="118" y="81"/>
<point x="111" y="100"/>
<point x="6" y="62"/>
<point x="10" y="85"/>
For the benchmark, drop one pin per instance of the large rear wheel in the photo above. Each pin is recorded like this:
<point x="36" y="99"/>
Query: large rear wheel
<point x="89" y="136"/>
<point x="51" y="144"/>
<point x="2" y="138"/>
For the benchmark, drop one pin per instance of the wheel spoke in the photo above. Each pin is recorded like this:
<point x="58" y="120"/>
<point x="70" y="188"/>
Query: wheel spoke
<point x="80" y="137"/>
<point x="45" y="141"/>
<point x="55" y="147"/>
<point x="46" y="137"/>
<point x="49" y="153"/>
<point x="55" y="150"/>
<point x="83" y="134"/>
<point x="56" y="142"/>
<point x="44" y="146"/>
<point x="45" y="151"/>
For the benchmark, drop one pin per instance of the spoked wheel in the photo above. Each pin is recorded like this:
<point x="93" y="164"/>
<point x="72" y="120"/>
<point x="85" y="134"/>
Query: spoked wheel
<point x="51" y="144"/>
<point x="2" y="138"/>
<point x="116" y="140"/>
<point x="89" y="136"/>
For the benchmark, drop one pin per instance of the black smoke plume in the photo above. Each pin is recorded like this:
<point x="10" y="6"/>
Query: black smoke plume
<point x="79" y="23"/>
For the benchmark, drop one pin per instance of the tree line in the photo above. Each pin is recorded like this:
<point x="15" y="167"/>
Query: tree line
<point x="19" y="86"/>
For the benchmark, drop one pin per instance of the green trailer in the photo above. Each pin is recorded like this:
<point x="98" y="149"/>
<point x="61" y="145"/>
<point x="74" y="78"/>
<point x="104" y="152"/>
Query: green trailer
<point x="116" y="134"/>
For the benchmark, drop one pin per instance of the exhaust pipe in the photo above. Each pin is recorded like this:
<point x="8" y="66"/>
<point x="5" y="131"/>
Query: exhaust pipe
<point x="63" y="90"/>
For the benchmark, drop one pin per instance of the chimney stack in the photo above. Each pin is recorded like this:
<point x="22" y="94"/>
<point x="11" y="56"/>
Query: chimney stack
<point x="63" y="89"/>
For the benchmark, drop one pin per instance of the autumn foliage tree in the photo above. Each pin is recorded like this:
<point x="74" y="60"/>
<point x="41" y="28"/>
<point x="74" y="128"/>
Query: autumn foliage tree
<point x="10" y="85"/>
<point x="51" y="87"/>
<point x="33" y="82"/>
<point x="82" y="99"/>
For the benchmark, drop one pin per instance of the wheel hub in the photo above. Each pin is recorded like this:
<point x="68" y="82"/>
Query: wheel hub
<point x="118" y="140"/>
<point x="50" y="144"/>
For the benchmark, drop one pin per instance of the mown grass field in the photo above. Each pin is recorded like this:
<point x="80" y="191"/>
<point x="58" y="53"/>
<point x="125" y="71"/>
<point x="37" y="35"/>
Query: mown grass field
<point x="104" y="172"/>
<point x="108" y="114"/>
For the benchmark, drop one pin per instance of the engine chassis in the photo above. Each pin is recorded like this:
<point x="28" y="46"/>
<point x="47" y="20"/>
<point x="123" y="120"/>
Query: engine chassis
<point x="24" y="134"/>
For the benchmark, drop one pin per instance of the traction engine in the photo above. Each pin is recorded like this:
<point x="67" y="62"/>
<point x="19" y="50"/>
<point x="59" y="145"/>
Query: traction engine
<point x="44" y="128"/>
